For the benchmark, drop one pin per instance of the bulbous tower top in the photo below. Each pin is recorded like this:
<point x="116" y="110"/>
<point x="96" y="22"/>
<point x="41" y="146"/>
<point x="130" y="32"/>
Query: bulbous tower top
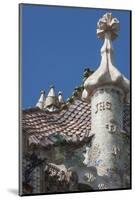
<point x="107" y="73"/>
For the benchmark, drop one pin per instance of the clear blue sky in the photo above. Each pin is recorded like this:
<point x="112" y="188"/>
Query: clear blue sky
<point x="58" y="43"/>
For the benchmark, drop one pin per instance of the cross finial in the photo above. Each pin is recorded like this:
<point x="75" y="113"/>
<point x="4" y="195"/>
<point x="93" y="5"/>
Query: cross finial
<point x="108" y="24"/>
<point x="107" y="73"/>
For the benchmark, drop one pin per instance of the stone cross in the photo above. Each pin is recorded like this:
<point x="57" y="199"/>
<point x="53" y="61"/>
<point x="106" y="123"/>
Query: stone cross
<point x="108" y="25"/>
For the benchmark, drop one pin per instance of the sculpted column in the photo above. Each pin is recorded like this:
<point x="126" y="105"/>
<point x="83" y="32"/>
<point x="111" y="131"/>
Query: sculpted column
<point x="106" y="89"/>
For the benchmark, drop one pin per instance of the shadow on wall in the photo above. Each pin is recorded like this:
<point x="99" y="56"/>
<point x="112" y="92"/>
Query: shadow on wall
<point x="13" y="191"/>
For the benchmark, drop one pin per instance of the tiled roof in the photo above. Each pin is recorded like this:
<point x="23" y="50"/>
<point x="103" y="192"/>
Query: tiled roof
<point x="71" y="125"/>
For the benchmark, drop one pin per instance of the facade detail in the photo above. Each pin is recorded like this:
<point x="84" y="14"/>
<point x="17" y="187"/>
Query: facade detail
<point x="81" y="144"/>
<point x="52" y="102"/>
<point x="108" y="89"/>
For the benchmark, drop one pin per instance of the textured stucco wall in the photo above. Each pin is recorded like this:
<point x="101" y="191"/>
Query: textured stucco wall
<point x="106" y="104"/>
<point x="107" y="156"/>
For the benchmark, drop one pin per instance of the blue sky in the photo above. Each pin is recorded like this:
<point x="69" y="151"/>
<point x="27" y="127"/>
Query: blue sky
<point x="58" y="43"/>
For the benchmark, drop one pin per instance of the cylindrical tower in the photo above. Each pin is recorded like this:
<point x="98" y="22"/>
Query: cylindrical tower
<point x="106" y="106"/>
<point x="106" y="89"/>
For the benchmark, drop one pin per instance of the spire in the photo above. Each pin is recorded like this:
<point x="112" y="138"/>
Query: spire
<point x="52" y="91"/>
<point x="60" y="97"/>
<point x="51" y="102"/>
<point x="107" y="73"/>
<point x="41" y="100"/>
